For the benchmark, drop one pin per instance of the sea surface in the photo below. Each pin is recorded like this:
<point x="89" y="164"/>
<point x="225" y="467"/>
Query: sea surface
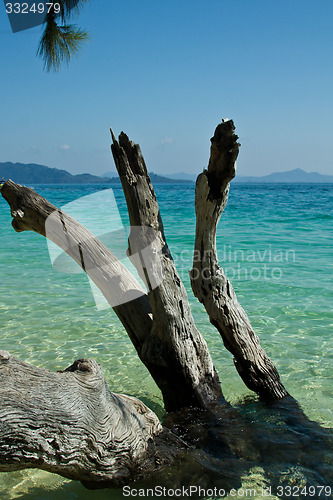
<point x="275" y="243"/>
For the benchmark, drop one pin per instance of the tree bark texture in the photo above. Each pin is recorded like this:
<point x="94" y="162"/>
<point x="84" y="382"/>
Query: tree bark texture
<point x="208" y="280"/>
<point x="176" y="351"/>
<point x="69" y="423"/>
<point x="32" y="212"/>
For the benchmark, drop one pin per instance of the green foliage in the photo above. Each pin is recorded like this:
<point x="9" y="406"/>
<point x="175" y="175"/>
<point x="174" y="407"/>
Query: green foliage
<point x="60" y="42"/>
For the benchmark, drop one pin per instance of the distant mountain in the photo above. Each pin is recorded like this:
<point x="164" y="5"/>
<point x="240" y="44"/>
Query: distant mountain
<point x="158" y="179"/>
<point x="291" y="176"/>
<point x="182" y="176"/>
<point x="110" y="174"/>
<point x="32" y="173"/>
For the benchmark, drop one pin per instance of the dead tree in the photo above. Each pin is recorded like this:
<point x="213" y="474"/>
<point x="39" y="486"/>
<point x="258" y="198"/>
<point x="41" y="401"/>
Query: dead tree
<point x="45" y="417"/>
<point x="69" y="423"/>
<point x="209" y="283"/>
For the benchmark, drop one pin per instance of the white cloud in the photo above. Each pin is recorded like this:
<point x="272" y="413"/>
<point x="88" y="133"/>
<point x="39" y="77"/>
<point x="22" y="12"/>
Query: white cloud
<point x="166" y="140"/>
<point x="64" y="147"/>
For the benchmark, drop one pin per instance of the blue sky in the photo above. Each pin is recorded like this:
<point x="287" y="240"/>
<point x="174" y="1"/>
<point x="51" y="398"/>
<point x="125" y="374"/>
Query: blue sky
<point x="166" y="73"/>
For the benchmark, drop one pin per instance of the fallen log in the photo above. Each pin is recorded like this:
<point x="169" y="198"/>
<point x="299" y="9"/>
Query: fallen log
<point x="69" y="423"/>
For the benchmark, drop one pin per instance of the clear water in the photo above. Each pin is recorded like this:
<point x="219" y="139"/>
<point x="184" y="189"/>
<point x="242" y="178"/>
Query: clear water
<point x="275" y="244"/>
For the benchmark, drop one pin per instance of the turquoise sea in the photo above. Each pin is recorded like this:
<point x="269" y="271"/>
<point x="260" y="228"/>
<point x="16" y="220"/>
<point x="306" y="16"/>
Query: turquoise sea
<point x="275" y="243"/>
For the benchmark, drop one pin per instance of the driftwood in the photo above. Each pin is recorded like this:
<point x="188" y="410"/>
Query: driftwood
<point x="123" y="440"/>
<point x="70" y="423"/>
<point x="209" y="283"/>
<point x="32" y="212"/>
<point x="176" y="352"/>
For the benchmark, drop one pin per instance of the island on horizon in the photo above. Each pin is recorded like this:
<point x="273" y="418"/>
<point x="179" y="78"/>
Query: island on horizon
<point x="32" y="173"/>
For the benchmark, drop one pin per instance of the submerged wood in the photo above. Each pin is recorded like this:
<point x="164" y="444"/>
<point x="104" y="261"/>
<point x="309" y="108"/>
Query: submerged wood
<point x="208" y="280"/>
<point x="69" y="423"/>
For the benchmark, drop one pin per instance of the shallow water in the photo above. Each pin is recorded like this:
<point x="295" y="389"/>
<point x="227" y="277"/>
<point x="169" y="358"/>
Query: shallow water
<point x="275" y="244"/>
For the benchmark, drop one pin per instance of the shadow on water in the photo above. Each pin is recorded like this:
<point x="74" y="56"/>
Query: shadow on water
<point x="291" y="446"/>
<point x="275" y="438"/>
<point x="243" y="449"/>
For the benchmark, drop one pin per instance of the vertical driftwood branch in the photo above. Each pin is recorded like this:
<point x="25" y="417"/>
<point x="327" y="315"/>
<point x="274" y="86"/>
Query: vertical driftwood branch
<point x="175" y="351"/>
<point x="208" y="281"/>
<point x="69" y="423"/>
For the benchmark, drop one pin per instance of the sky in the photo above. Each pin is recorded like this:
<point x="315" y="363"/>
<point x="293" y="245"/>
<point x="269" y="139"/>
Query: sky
<point x="166" y="73"/>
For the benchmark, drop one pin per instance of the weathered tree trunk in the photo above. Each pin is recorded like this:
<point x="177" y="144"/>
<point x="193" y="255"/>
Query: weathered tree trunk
<point x="209" y="283"/>
<point x="32" y="212"/>
<point x="176" y="351"/>
<point x="70" y="423"/>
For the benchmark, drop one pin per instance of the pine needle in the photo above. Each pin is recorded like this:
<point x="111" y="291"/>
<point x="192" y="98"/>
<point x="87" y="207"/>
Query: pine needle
<point x="60" y="43"/>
